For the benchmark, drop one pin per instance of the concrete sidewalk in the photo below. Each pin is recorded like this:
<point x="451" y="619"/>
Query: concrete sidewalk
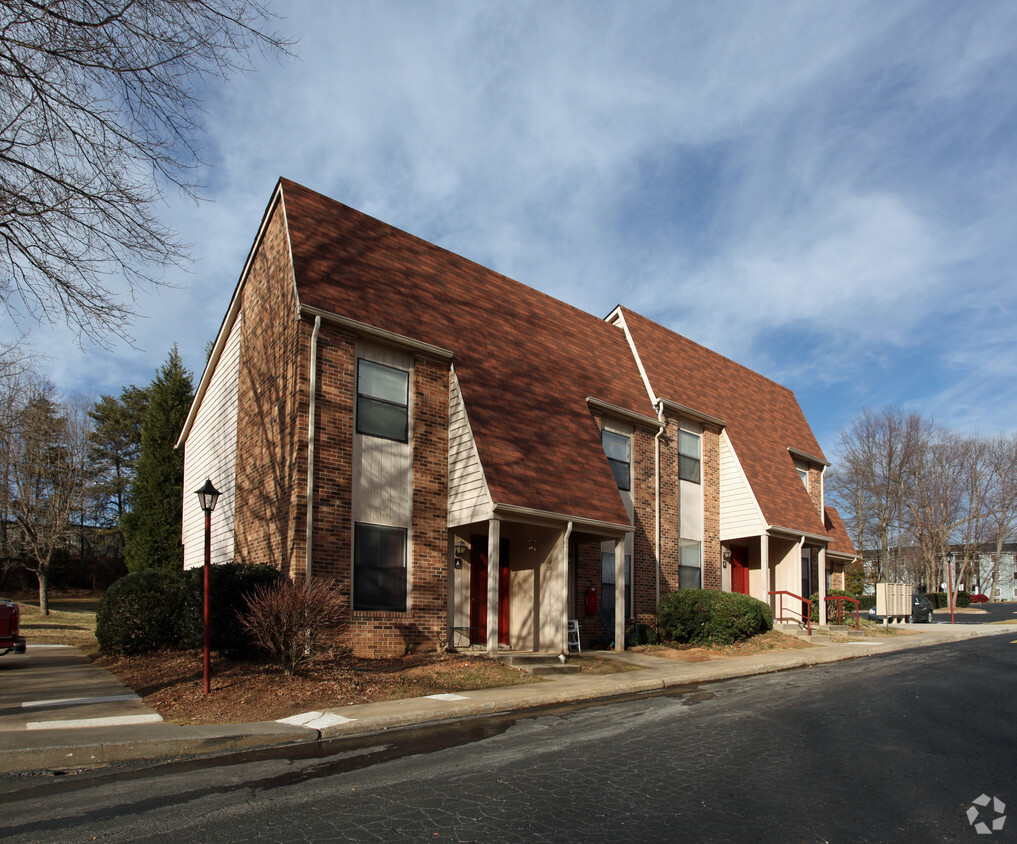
<point x="60" y="747"/>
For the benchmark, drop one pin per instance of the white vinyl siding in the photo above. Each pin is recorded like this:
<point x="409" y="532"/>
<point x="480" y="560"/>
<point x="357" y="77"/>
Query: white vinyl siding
<point x="739" y="512"/>
<point x="210" y="452"/>
<point x="469" y="499"/>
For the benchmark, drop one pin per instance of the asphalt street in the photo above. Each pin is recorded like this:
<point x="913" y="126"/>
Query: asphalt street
<point x="887" y="748"/>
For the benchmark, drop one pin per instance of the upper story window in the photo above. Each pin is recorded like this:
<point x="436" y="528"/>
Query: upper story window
<point x="382" y="401"/>
<point x="618" y="449"/>
<point x="689" y="457"/>
<point x="804" y="475"/>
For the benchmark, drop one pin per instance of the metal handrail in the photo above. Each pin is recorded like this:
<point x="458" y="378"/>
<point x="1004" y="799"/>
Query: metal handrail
<point x="806" y="615"/>
<point x="840" y="599"/>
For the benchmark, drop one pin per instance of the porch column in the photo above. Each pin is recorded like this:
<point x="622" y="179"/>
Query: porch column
<point x="563" y="597"/>
<point x="821" y="573"/>
<point x="493" y="570"/>
<point x="619" y="595"/>
<point x="764" y="568"/>
<point x="452" y="590"/>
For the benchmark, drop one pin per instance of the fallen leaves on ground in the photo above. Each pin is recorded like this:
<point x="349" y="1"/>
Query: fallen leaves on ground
<point x="772" y="640"/>
<point x="251" y="690"/>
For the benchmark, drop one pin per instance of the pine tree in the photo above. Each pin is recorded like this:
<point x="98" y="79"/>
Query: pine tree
<point x="115" y="443"/>
<point x="153" y="523"/>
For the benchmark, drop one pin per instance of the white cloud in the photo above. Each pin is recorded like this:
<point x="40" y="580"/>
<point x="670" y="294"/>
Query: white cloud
<point x="819" y="192"/>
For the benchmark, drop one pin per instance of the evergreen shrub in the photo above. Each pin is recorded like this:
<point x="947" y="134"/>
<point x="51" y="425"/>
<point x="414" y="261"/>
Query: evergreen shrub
<point x="831" y="607"/>
<point x="161" y="608"/>
<point x="705" y="616"/>
<point x="142" y="612"/>
<point x="229" y="587"/>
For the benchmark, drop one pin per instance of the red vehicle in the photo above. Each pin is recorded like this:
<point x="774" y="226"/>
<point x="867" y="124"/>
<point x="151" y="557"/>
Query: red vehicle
<point x="9" y="638"/>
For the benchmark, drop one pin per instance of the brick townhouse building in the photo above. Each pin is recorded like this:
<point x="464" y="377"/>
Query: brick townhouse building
<point x="474" y="461"/>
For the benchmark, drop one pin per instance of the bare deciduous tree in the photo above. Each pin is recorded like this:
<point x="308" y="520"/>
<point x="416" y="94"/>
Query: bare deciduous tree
<point x="46" y="446"/>
<point x="876" y="457"/>
<point x="98" y="115"/>
<point x="1001" y="519"/>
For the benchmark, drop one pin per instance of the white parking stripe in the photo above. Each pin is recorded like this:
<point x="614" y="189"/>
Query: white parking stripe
<point x="122" y="721"/>
<point x="76" y="701"/>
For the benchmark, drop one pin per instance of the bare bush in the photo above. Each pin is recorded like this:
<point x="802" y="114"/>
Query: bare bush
<point x="294" y="621"/>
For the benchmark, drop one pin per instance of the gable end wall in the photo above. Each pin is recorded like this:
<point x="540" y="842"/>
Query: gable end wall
<point x="272" y="412"/>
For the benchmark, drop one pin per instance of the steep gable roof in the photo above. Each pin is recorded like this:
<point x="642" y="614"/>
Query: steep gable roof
<point x="526" y="362"/>
<point x="840" y="539"/>
<point x="763" y="418"/>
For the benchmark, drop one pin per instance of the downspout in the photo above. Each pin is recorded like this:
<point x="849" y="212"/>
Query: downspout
<point x="656" y="490"/>
<point x="311" y="413"/>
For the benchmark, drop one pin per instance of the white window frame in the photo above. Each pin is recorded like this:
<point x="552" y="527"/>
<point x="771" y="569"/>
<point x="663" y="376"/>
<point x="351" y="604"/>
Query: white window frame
<point x="617" y="463"/>
<point x="381" y="401"/>
<point x="687" y="550"/>
<point x="687" y="460"/>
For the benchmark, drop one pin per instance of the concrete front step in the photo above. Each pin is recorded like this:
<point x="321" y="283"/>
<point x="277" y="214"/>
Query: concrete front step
<point x="819" y="632"/>
<point x="539" y="664"/>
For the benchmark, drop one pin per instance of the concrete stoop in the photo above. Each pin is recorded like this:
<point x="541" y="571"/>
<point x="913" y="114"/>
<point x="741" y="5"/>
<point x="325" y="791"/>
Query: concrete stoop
<point x="539" y="664"/>
<point x="820" y="632"/>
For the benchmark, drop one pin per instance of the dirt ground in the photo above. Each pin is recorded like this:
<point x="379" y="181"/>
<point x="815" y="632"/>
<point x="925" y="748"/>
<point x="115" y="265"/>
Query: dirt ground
<point x="251" y="690"/>
<point x="255" y="690"/>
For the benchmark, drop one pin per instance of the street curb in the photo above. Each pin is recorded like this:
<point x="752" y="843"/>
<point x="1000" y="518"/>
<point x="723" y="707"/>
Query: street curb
<point x="68" y="749"/>
<point x="59" y="750"/>
<point x="572" y="689"/>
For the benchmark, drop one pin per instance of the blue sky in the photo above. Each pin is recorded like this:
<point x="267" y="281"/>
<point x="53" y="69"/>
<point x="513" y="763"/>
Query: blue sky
<point x="824" y="192"/>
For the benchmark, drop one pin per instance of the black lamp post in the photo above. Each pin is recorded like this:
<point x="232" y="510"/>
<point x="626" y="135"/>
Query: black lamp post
<point x="208" y="495"/>
<point x="949" y="581"/>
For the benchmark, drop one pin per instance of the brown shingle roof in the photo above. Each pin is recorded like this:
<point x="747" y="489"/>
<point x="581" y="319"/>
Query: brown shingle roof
<point x="526" y="362"/>
<point x="841" y="541"/>
<point x="763" y="418"/>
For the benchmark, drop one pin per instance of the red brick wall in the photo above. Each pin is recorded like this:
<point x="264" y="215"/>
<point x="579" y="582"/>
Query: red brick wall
<point x="332" y="539"/>
<point x="669" y="508"/>
<point x="816" y="489"/>
<point x="670" y="518"/>
<point x="644" y="537"/>
<point x="270" y="447"/>
<point x="387" y="633"/>
<point x="588" y="573"/>
<point x="272" y="452"/>
<point x="711" y="509"/>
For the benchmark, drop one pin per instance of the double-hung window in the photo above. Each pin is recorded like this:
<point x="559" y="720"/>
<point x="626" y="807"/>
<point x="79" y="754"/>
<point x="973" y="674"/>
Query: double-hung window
<point x="690" y="564"/>
<point x="379" y="568"/>
<point x="689" y="457"/>
<point x="382" y="401"/>
<point x="618" y="449"/>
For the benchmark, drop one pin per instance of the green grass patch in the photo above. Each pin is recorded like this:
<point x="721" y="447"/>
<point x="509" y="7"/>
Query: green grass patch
<point x="71" y="621"/>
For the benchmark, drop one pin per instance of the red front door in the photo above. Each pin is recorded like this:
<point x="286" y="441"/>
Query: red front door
<point x="478" y="592"/>
<point x="740" y="570"/>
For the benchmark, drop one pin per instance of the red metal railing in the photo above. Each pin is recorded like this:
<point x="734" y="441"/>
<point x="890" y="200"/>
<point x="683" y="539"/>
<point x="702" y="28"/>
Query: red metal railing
<point x="804" y="617"/>
<point x="840" y="599"/>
